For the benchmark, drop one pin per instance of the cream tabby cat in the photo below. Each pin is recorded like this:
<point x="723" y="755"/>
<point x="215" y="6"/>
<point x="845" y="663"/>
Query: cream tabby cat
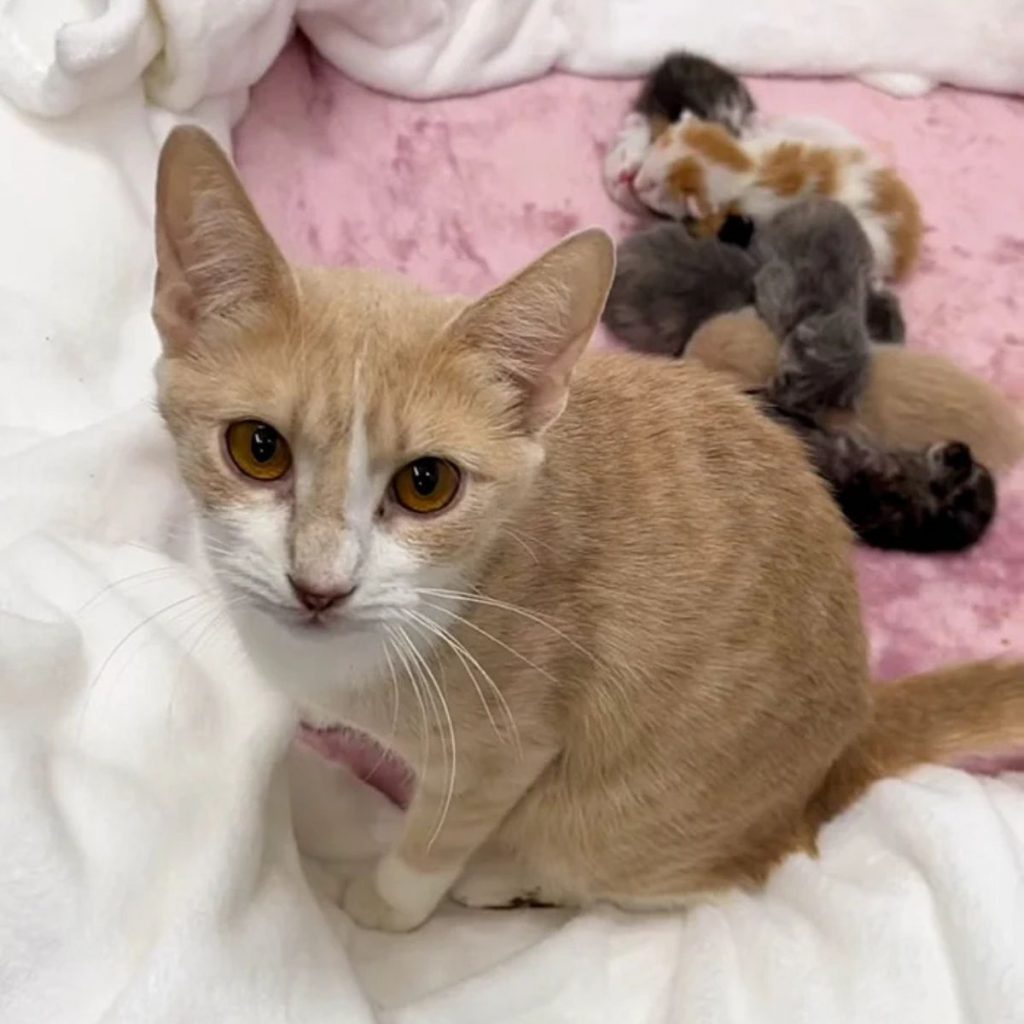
<point x="619" y="638"/>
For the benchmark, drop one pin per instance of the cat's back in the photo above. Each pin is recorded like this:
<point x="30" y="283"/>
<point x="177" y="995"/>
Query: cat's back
<point x="693" y="521"/>
<point x="682" y="438"/>
<point x="694" y="555"/>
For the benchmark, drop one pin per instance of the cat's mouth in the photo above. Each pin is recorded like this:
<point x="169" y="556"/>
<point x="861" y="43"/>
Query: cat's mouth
<point x="324" y="624"/>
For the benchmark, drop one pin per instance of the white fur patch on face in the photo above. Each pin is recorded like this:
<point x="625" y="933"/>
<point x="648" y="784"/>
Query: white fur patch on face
<point x="624" y="159"/>
<point x="248" y="547"/>
<point x="355" y="650"/>
<point x="651" y="183"/>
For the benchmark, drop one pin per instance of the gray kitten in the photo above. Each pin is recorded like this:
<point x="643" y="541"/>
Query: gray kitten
<point x="667" y="283"/>
<point x="812" y="289"/>
<point x="683" y="81"/>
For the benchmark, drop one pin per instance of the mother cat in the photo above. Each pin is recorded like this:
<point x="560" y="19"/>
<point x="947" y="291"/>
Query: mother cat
<point x="602" y="602"/>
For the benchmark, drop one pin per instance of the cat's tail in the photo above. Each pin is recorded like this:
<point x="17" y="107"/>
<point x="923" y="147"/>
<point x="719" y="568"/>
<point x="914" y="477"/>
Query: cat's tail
<point x="941" y="716"/>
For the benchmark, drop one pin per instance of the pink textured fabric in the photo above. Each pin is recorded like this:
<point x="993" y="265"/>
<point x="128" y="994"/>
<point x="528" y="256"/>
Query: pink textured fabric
<point x="457" y="193"/>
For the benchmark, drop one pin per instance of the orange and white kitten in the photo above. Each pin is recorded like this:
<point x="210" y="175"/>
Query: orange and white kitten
<point x="602" y="605"/>
<point x="696" y="169"/>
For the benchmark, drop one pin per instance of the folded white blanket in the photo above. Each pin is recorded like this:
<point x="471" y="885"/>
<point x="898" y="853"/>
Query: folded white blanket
<point x="148" y="867"/>
<point x="56" y="57"/>
<point x="438" y="47"/>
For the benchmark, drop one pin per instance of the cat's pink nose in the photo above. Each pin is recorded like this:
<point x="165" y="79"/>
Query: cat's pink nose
<point x="317" y="599"/>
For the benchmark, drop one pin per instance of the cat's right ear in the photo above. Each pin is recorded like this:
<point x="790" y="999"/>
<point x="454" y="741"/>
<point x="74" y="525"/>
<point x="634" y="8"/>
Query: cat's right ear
<point x="536" y="325"/>
<point x="216" y="263"/>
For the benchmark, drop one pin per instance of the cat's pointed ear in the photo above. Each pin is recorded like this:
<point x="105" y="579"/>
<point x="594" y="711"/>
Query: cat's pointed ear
<point x="215" y="260"/>
<point x="536" y="325"/>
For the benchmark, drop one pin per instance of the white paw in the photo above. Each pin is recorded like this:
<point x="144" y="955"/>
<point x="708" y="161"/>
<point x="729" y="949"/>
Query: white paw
<point x="368" y="908"/>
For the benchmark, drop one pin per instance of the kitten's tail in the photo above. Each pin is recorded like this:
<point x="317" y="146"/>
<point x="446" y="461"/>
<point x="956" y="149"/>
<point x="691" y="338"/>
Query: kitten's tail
<point x="939" y="716"/>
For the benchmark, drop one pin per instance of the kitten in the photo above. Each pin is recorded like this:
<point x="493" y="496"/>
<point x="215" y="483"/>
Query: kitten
<point x="811" y="289"/>
<point x="900" y="486"/>
<point x="938" y="499"/>
<point x="697" y="169"/>
<point x="911" y="399"/>
<point x="681" y="82"/>
<point x="603" y="605"/>
<point x="668" y="283"/>
<point x="685" y="82"/>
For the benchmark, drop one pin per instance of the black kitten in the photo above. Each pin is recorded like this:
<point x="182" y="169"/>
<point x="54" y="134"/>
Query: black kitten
<point x="937" y="499"/>
<point x="685" y="82"/>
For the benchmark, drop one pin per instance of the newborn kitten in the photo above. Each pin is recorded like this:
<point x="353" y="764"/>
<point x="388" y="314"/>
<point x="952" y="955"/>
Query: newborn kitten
<point x="811" y="289"/>
<point x="685" y="82"/>
<point x="681" y="82"/>
<point x="911" y="399"/>
<point x="697" y="169"/>
<point x="602" y="604"/>
<point x="933" y="500"/>
<point x="899" y="481"/>
<point x="668" y="283"/>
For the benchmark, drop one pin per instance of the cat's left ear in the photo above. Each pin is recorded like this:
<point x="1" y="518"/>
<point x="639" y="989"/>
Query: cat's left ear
<point x="216" y="263"/>
<point x="537" y="324"/>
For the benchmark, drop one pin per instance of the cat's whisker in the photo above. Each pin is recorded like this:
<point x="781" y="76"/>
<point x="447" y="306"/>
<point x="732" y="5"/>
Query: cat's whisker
<point x="490" y="636"/>
<point x="460" y="652"/>
<point x="490" y="602"/>
<point x="463" y="653"/>
<point x="147" y="621"/>
<point x="523" y="536"/>
<point x="387" y="750"/>
<point x="145" y="574"/>
<point x="452" y="758"/>
<point x="216" y="617"/>
<point x="425" y="737"/>
<point x="522" y="543"/>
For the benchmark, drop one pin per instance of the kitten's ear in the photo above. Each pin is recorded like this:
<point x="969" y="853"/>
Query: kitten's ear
<point x="537" y="324"/>
<point x="215" y="260"/>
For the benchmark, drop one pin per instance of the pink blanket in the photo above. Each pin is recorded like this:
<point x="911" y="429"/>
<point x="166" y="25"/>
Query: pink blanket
<point x="457" y="193"/>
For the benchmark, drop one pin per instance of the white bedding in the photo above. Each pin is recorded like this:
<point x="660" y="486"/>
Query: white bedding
<point x="148" y="869"/>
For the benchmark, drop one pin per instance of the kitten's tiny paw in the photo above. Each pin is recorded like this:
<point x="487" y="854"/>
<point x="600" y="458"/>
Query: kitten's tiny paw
<point x="368" y="908"/>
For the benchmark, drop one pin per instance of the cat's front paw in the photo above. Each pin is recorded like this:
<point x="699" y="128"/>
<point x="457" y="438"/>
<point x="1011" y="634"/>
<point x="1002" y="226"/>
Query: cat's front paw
<point x="366" y="906"/>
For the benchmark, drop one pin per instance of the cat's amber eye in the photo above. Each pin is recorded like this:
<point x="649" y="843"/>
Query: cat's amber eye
<point x="258" y="450"/>
<point x="427" y="485"/>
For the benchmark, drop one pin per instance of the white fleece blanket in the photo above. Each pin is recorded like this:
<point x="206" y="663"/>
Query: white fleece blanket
<point x="191" y="49"/>
<point x="148" y="864"/>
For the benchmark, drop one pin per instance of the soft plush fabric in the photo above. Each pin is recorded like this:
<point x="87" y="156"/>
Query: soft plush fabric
<point x="148" y="866"/>
<point x="458" y="192"/>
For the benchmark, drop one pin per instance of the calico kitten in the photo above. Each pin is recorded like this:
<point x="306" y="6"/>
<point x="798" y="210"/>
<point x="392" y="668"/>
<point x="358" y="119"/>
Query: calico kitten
<point x="696" y="169"/>
<point x="681" y="82"/>
<point x="604" y="605"/>
<point x="686" y="82"/>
